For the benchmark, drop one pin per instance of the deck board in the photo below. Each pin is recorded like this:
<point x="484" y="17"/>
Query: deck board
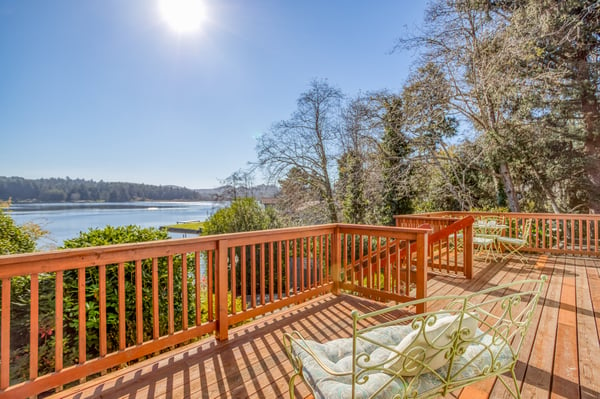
<point x="560" y="356"/>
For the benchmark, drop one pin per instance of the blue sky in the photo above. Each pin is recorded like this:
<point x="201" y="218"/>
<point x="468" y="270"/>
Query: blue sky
<point x="106" y="90"/>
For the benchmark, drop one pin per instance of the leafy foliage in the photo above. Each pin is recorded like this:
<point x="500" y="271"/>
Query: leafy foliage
<point x="20" y="295"/>
<point x="243" y="214"/>
<point x="15" y="239"/>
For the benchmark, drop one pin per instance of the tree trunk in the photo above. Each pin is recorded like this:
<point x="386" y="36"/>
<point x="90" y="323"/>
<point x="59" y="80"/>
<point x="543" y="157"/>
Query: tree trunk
<point x="591" y="119"/>
<point x="509" y="188"/>
<point x="547" y="192"/>
<point x="592" y="170"/>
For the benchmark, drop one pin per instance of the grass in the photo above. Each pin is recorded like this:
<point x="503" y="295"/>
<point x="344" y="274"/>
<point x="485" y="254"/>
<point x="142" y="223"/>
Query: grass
<point x="195" y="226"/>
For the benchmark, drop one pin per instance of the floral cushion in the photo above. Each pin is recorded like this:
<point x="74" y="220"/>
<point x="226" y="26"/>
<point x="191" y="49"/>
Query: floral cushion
<point x="429" y="345"/>
<point x="481" y="357"/>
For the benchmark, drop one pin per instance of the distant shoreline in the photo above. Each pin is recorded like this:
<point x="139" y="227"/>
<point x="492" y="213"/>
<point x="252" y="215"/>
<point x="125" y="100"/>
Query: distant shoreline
<point x="59" y="190"/>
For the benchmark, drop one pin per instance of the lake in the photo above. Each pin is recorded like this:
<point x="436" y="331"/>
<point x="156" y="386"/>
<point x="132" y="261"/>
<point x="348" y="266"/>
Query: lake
<point x="65" y="220"/>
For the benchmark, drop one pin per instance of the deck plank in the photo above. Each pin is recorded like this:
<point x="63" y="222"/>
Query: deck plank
<point x="538" y="377"/>
<point x="252" y="363"/>
<point x="565" y="375"/>
<point x="587" y="329"/>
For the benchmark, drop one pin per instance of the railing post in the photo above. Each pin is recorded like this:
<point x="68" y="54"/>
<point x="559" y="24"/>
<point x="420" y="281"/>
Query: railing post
<point x="336" y="257"/>
<point x="5" y="336"/>
<point x="222" y="332"/>
<point x="468" y="251"/>
<point x="421" y="270"/>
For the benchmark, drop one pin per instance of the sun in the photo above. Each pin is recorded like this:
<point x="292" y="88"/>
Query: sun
<point x="183" y="16"/>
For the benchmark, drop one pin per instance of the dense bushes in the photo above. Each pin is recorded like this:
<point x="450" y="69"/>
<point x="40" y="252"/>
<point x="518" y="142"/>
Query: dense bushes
<point x="20" y="302"/>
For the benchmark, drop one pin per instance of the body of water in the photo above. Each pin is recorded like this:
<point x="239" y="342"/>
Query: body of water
<point x="66" y="220"/>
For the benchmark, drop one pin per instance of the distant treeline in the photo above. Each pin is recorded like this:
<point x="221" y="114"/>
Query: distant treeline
<point x="72" y="190"/>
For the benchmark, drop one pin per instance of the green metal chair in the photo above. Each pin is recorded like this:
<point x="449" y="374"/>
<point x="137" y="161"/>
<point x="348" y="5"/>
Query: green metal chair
<point x="513" y="245"/>
<point x="484" y="246"/>
<point x="394" y="353"/>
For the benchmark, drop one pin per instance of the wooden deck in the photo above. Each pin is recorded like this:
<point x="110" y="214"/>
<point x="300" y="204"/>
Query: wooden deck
<point x="560" y="356"/>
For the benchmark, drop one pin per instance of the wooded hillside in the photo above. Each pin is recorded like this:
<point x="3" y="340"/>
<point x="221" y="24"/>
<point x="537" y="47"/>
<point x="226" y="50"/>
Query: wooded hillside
<point x="71" y="190"/>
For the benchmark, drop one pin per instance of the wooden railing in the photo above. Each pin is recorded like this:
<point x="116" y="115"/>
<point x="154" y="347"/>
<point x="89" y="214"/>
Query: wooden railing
<point x="435" y="222"/>
<point x="450" y="241"/>
<point x="384" y="263"/>
<point x="82" y="312"/>
<point x="576" y="234"/>
<point x="451" y="248"/>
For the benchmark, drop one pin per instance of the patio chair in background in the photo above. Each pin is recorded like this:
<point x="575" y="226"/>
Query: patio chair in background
<point x="513" y="245"/>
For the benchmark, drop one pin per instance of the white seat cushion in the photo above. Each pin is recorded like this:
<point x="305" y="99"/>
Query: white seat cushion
<point x="427" y="347"/>
<point x="482" y="356"/>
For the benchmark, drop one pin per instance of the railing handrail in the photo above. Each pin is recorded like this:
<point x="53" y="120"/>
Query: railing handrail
<point x="441" y="215"/>
<point x="455" y="227"/>
<point x="419" y="216"/>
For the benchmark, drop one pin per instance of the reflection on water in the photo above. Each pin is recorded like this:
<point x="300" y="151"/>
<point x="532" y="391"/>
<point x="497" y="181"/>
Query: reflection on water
<point x="65" y="220"/>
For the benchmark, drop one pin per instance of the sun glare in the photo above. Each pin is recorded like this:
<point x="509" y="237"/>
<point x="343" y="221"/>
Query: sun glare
<point x="183" y="16"/>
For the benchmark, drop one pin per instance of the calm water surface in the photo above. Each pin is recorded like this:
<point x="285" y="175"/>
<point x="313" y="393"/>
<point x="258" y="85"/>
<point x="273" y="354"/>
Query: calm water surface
<point x="65" y="220"/>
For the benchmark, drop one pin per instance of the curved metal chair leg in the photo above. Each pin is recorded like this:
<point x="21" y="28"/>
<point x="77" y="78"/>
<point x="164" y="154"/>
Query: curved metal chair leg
<point x="514" y="391"/>
<point x="292" y="385"/>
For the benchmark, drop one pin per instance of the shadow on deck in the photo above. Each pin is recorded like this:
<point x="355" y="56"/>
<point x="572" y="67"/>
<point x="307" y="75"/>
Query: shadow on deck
<point x="560" y="356"/>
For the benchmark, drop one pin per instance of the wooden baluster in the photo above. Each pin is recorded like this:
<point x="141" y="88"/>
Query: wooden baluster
<point x="210" y="286"/>
<point x="588" y="230"/>
<point x="407" y="269"/>
<point x="288" y="267"/>
<point x="34" y="325"/>
<point x="421" y="271"/>
<point x="233" y="266"/>
<point x="155" y="304"/>
<point x="361" y="258"/>
<point x="539" y="227"/>
<point x="344" y="258"/>
<point x="575" y="243"/>
<point x="468" y="251"/>
<point x="253" y="277"/>
<point x="121" y="296"/>
<point x="301" y="252"/>
<point x="580" y="225"/>
<point x="597" y="225"/>
<point x="271" y="274"/>
<point x="262" y="277"/>
<point x="327" y="273"/>
<point x="58" y="322"/>
<point x="139" y="312"/>
<point x="315" y="264"/>
<point x="82" y="314"/>
<point x="544" y="224"/>
<point x="184" y="292"/>
<point x="5" y="336"/>
<point x="198" y="287"/>
<point x="395" y="278"/>
<point x="367" y="260"/>
<point x="380" y="282"/>
<point x="337" y="243"/>
<point x="279" y="263"/>
<point x="243" y="276"/>
<point x="221" y="277"/>
<point x="101" y="306"/>
<point x="294" y="241"/>
<point x="171" y="294"/>
<point x="309" y="265"/>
